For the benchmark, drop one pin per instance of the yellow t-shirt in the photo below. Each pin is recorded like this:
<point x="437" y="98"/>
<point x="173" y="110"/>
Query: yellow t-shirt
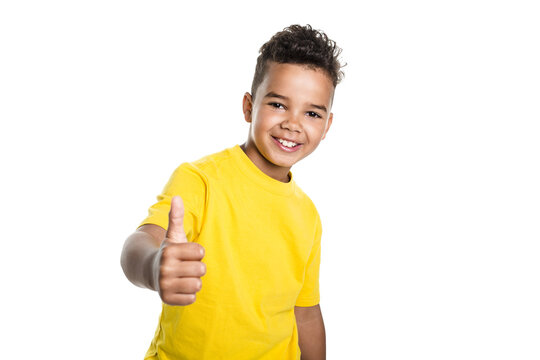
<point x="262" y="241"/>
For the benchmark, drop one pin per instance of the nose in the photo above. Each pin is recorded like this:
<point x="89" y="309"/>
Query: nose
<point x="292" y="122"/>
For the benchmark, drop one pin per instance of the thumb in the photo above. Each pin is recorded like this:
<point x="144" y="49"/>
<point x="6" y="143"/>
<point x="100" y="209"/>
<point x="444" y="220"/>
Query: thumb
<point x="175" y="231"/>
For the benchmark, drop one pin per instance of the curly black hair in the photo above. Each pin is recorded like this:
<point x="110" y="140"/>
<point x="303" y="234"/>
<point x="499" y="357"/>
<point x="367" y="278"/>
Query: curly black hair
<point x="303" y="45"/>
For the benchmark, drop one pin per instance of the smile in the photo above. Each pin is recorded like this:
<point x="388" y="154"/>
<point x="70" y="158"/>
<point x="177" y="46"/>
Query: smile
<point x="285" y="145"/>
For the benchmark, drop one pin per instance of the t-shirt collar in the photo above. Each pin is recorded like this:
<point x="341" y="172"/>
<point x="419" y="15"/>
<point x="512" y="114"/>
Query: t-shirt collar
<point x="249" y="169"/>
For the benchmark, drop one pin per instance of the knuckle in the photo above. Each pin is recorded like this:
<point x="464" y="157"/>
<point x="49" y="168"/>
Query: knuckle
<point x="166" y="298"/>
<point x="192" y="285"/>
<point x="164" y="271"/>
<point x="166" y="252"/>
<point x="174" y="220"/>
<point x="163" y="283"/>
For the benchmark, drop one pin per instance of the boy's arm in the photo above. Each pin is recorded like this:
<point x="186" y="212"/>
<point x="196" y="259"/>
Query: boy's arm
<point x="311" y="333"/>
<point x="138" y="255"/>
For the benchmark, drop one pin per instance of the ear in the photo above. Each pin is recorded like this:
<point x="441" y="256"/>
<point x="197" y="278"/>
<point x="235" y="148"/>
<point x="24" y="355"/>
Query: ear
<point x="247" y="106"/>
<point x="328" y="125"/>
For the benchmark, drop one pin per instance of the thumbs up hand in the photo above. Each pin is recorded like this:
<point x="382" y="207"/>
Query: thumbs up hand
<point x="177" y="265"/>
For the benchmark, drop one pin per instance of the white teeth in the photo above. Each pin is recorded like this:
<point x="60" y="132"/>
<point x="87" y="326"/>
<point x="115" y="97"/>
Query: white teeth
<point x="287" y="143"/>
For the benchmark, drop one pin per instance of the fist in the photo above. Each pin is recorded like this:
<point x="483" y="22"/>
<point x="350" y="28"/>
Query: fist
<point x="178" y="267"/>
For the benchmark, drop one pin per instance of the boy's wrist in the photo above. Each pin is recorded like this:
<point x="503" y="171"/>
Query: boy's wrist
<point x="151" y="270"/>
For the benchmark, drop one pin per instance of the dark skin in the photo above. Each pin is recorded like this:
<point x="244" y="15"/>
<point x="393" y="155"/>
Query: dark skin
<point x="311" y="333"/>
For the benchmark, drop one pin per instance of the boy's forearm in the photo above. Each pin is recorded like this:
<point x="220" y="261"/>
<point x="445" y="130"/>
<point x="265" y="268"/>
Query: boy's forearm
<point x="137" y="259"/>
<point x="311" y="333"/>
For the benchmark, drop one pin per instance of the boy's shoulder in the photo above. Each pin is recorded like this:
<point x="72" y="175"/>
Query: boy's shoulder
<point x="307" y="200"/>
<point x="212" y="160"/>
<point x="210" y="165"/>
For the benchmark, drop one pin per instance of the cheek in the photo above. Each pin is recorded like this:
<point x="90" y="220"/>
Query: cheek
<point x="260" y="127"/>
<point x="267" y="119"/>
<point x="314" y="130"/>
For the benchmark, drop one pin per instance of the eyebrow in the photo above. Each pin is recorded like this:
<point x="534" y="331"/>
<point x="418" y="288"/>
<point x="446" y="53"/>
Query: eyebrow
<point x="272" y="94"/>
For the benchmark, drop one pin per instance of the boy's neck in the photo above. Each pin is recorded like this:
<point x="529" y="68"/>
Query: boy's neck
<point x="276" y="172"/>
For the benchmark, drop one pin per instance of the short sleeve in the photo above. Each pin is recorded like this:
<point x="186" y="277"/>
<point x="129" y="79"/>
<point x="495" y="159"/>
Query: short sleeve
<point x="190" y="184"/>
<point x="309" y="295"/>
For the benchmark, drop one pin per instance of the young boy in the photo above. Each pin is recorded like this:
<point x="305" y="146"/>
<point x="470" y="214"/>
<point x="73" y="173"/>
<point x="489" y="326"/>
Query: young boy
<point x="256" y="294"/>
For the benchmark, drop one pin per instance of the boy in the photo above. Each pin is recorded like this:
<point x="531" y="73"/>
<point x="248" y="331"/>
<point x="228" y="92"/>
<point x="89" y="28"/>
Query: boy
<point x="256" y="295"/>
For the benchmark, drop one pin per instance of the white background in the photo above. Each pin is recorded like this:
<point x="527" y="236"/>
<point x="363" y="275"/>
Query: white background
<point x="427" y="183"/>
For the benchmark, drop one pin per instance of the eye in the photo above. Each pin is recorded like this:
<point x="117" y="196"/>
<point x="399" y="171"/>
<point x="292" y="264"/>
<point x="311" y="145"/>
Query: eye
<point x="313" y="114"/>
<point x="276" y="105"/>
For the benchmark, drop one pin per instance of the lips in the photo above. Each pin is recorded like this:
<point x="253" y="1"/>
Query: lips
<point x="285" y="148"/>
<point x="286" y="139"/>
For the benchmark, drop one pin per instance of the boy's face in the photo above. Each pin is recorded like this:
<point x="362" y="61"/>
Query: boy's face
<point x="293" y="102"/>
